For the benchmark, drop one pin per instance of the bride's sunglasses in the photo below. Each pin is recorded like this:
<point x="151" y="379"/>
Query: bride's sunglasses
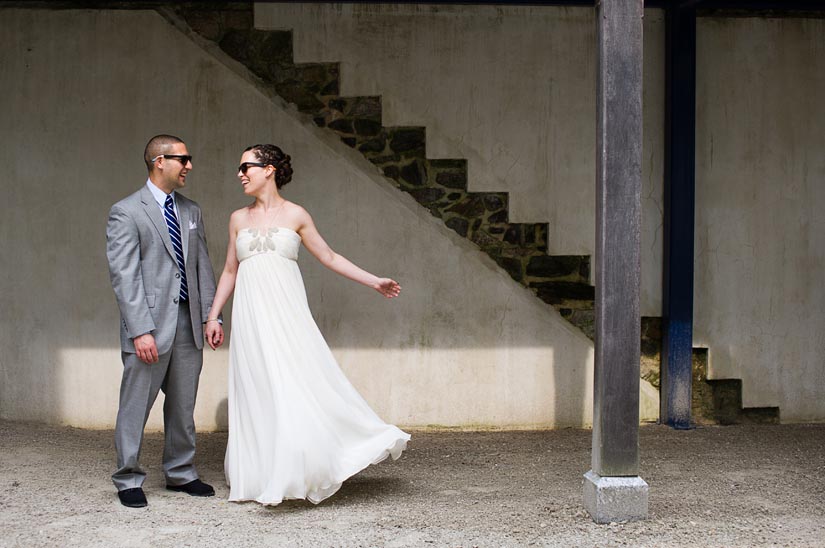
<point x="246" y="165"/>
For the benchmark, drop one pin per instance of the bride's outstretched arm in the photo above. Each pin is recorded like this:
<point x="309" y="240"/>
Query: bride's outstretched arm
<point x="341" y="265"/>
<point x="226" y="285"/>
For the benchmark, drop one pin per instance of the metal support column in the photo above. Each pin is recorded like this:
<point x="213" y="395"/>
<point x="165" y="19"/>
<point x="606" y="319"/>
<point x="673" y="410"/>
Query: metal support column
<point x="613" y="491"/>
<point x="679" y="199"/>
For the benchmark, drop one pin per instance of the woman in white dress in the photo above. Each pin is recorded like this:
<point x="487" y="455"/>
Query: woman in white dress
<point x="297" y="427"/>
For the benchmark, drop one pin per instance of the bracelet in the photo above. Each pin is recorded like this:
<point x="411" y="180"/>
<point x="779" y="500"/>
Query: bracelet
<point x="212" y="320"/>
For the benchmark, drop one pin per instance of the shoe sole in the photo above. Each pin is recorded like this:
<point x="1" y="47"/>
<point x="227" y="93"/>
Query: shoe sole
<point x="179" y="490"/>
<point x="134" y="505"/>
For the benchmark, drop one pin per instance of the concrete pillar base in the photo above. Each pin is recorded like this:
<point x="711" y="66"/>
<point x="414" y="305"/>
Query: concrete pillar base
<point x="610" y="499"/>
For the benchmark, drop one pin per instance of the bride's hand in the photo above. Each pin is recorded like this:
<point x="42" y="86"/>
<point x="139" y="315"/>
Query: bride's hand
<point x="213" y="333"/>
<point x="387" y="287"/>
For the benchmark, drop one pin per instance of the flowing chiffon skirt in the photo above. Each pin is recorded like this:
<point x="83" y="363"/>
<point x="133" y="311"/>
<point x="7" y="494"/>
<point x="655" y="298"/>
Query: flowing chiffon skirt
<point x="297" y="427"/>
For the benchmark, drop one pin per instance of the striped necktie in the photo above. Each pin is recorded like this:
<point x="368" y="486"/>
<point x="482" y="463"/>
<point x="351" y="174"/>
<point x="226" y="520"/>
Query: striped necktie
<point x="174" y="234"/>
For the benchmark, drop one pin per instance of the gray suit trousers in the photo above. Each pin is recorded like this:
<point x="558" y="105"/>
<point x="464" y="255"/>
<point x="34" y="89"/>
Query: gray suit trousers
<point x="176" y="373"/>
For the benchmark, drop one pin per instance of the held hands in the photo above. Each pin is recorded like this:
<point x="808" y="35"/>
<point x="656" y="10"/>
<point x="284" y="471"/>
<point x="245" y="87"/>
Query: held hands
<point x="387" y="287"/>
<point x="145" y="348"/>
<point x="213" y="333"/>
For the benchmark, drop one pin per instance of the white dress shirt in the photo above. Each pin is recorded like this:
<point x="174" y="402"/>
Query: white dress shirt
<point x="160" y="198"/>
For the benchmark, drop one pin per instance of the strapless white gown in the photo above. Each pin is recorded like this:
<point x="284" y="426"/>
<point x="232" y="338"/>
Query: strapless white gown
<point x="297" y="427"/>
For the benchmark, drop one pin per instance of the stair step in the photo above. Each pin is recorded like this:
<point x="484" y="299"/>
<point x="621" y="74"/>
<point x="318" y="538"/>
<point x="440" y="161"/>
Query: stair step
<point x="760" y="415"/>
<point x="462" y="211"/>
<point x="394" y="146"/>
<point x="719" y="401"/>
<point x="512" y="265"/>
<point x="352" y="116"/>
<point x="727" y="400"/>
<point x="512" y="239"/>
<point x="263" y="52"/>
<point x="360" y="107"/>
<point x="515" y="261"/>
<point x="561" y="268"/>
<point x="306" y="84"/>
<point x="727" y="405"/>
<point x="479" y="206"/>
<point x="583" y="318"/>
<point x="319" y="79"/>
<point x="572" y="295"/>
<point x="446" y="177"/>
<point x="467" y="212"/>
<point x="431" y="198"/>
<point x="702" y="407"/>
<point x="363" y="131"/>
<point x="447" y="173"/>
<point x="213" y="21"/>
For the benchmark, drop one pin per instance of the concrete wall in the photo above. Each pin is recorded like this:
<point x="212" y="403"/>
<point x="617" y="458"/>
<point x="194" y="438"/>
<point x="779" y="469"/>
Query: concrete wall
<point x="510" y="88"/>
<point x="760" y="197"/>
<point x="83" y="90"/>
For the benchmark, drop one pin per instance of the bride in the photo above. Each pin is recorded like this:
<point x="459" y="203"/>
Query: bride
<point x="297" y="427"/>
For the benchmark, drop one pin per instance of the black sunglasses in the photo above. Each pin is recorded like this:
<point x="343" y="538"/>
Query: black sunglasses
<point x="246" y="165"/>
<point x="182" y="158"/>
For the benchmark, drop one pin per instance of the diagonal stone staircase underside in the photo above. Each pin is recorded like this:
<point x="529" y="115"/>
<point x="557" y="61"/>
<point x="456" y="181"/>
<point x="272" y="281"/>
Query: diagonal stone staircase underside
<point x="439" y="185"/>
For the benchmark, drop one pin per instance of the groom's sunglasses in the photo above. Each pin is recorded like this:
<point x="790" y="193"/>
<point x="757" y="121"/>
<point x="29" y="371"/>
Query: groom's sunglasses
<point x="182" y="158"/>
<point x="246" y="165"/>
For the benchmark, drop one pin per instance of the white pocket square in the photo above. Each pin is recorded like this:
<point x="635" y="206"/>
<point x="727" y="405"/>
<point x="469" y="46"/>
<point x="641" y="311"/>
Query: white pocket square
<point x="193" y="225"/>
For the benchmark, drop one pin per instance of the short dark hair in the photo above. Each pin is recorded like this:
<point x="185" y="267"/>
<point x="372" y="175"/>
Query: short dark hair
<point x="275" y="157"/>
<point x="159" y="144"/>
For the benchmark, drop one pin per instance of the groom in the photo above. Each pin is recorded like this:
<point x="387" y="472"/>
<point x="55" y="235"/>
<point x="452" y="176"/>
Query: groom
<point x="164" y="286"/>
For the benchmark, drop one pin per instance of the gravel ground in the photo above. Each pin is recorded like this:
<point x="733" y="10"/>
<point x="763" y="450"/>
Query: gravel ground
<point x="754" y="485"/>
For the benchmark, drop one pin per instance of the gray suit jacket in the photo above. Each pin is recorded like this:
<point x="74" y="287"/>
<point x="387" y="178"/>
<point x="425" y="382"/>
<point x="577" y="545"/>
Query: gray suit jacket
<point x="145" y="274"/>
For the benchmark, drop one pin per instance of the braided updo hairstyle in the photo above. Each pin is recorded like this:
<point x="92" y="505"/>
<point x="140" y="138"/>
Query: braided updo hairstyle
<point x="274" y="156"/>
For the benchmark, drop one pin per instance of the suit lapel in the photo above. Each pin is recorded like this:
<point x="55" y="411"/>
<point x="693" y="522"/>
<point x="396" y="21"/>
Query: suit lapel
<point x="183" y="212"/>
<point x="150" y="206"/>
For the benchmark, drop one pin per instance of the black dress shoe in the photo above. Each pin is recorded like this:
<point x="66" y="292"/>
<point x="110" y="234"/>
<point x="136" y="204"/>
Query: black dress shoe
<point x="133" y="498"/>
<point x="196" y="488"/>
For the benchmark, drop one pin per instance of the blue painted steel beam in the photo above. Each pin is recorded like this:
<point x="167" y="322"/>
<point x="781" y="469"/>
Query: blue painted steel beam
<point x="679" y="195"/>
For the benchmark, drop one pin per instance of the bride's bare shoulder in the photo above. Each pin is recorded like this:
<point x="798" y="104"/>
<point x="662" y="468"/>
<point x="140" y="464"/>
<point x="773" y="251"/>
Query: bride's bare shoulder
<point x="295" y="216"/>
<point x="295" y="211"/>
<point x="238" y="218"/>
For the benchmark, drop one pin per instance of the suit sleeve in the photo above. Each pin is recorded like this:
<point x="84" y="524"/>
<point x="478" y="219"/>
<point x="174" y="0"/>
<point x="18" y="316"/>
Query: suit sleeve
<point x="206" y="276"/>
<point x="123" y="254"/>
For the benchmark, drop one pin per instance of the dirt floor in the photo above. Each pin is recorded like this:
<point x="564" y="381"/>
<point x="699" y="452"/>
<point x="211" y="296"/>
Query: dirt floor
<point x="714" y="486"/>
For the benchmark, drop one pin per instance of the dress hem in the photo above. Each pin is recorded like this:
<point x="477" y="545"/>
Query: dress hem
<point x="395" y="450"/>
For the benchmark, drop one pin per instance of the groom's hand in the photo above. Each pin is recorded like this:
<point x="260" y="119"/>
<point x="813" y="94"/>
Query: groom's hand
<point x="145" y="348"/>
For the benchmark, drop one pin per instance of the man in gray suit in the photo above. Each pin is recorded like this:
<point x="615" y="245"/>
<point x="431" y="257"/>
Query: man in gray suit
<point x="164" y="285"/>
